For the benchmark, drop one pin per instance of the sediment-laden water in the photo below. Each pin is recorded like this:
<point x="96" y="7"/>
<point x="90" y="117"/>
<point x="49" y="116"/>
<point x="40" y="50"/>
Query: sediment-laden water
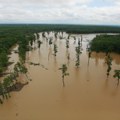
<point x="88" y="93"/>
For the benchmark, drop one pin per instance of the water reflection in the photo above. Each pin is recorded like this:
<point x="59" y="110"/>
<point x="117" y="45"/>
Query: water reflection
<point x="99" y="56"/>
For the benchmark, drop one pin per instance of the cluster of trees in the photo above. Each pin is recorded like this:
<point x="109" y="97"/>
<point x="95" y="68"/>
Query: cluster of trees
<point x="78" y="50"/>
<point x="7" y="40"/>
<point x="51" y="40"/>
<point x="106" y="43"/>
<point x="9" y="36"/>
<point x="24" y="45"/>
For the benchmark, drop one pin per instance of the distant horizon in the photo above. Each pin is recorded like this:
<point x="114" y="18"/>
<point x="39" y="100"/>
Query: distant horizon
<point x="59" y="24"/>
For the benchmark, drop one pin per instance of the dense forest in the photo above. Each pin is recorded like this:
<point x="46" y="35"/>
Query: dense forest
<point x="106" y="43"/>
<point x="24" y="28"/>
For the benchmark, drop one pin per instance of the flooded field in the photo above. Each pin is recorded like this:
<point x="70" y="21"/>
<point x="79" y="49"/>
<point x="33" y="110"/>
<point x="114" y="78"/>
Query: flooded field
<point x="88" y="93"/>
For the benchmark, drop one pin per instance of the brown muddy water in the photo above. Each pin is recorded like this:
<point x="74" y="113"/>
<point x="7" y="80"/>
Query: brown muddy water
<point x="87" y="95"/>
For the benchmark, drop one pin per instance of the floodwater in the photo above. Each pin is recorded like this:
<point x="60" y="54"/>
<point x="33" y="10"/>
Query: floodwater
<point x="88" y="93"/>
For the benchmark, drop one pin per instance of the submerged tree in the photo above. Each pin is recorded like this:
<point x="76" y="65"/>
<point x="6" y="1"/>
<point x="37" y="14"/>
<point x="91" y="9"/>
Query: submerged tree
<point x="55" y="49"/>
<point x="69" y="36"/>
<point x="117" y="75"/>
<point x="60" y="37"/>
<point x="78" y="42"/>
<point x="74" y="39"/>
<point x="37" y="34"/>
<point x="62" y="33"/>
<point x="31" y="43"/>
<point x="20" y="68"/>
<point x="48" y="33"/>
<point x="43" y="34"/>
<point x="39" y="44"/>
<point x="50" y="41"/>
<point x="108" y="61"/>
<point x="89" y="56"/>
<point x="67" y="43"/>
<point x="78" y="52"/>
<point x="64" y="73"/>
<point x="81" y="38"/>
<point x="1" y="92"/>
<point x="56" y="35"/>
<point x="68" y="58"/>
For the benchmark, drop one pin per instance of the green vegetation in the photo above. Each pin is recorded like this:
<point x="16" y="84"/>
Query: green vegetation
<point x="3" y="61"/>
<point x="11" y="35"/>
<point x="106" y="43"/>
<point x="10" y="81"/>
<point x="6" y="42"/>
